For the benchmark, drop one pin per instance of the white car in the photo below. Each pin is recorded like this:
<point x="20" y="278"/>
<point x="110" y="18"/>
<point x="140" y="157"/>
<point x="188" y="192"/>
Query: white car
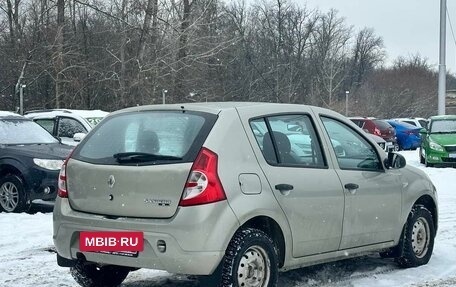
<point x="418" y="122"/>
<point x="69" y="125"/>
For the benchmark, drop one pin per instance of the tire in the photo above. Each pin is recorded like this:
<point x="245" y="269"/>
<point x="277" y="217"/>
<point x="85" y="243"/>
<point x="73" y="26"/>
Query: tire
<point x="417" y="242"/>
<point x="250" y="260"/>
<point x="91" y="275"/>
<point x="421" y="157"/>
<point x="427" y="164"/>
<point x="13" y="197"/>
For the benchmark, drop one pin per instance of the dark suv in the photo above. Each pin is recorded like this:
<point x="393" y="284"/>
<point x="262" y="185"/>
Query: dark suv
<point x="30" y="160"/>
<point x="377" y="127"/>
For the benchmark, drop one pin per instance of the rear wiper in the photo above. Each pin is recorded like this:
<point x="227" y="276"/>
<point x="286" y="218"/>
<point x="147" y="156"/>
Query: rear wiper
<point x="142" y="157"/>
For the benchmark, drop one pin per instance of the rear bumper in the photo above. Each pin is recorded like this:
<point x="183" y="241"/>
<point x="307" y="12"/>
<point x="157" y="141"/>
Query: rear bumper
<point x="196" y="238"/>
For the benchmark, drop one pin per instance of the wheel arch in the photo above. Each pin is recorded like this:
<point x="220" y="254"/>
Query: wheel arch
<point x="271" y="228"/>
<point x="12" y="167"/>
<point x="428" y="202"/>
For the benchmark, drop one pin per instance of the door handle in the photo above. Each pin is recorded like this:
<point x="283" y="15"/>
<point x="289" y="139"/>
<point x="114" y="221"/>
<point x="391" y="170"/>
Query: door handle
<point x="351" y="187"/>
<point x="283" y="187"/>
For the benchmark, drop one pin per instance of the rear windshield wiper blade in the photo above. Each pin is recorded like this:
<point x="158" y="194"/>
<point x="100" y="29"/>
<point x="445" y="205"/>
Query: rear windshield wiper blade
<point x="142" y="157"/>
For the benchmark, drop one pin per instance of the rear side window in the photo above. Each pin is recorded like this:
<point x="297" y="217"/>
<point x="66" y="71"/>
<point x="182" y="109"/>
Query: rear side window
<point x="47" y="124"/>
<point x="288" y="140"/>
<point x="148" y="137"/>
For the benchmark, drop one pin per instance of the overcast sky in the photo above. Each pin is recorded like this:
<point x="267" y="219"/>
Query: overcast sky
<point x="407" y="26"/>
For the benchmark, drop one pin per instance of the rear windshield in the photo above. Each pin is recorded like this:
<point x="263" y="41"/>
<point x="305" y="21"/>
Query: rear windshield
<point x="144" y="138"/>
<point x="382" y="124"/>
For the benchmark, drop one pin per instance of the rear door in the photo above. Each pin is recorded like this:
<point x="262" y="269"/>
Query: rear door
<point x="308" y="190"/>
<point x="373" y="195"/>
<point x="136" y="164"/>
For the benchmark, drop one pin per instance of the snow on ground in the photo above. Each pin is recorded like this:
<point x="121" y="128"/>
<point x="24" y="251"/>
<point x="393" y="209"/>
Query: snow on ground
<point x="27" y="257"/>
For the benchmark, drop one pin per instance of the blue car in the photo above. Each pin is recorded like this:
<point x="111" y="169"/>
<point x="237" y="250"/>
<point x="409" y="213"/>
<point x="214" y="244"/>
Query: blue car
<point x="408" y="136"/>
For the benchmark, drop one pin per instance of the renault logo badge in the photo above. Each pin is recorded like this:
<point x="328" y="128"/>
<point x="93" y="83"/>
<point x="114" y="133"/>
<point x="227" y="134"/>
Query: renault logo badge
<point x="111" y="181"/>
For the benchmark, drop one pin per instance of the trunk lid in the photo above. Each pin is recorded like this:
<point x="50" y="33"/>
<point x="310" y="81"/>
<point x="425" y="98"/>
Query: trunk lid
<point x="151" y="191"/>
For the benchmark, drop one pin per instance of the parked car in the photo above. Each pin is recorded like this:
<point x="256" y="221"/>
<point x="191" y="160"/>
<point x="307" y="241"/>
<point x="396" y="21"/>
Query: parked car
<point x="408" y="136"/>
<point x="30" y="160"/>
<point x="438" y="146"/>
<point x="196" y="190"/>
<point x="68" y="125"/>
<point x="386" y="146"/>
<point x="418" y="122"/>
<point x="377" y="127"/>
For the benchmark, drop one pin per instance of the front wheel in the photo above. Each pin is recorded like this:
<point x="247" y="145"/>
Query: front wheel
<point x="418" y="239"/>
<point x="250" y="260"/>
<point x="92" y="275"/>
<point x="421" y="157"/>
<point x="12" y="194"/>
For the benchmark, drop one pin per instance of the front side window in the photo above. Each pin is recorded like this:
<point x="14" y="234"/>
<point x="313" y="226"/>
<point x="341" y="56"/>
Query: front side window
<point x="351" y="149"/>
<point x="288" y="140"/>
<point x="68" y="127"/>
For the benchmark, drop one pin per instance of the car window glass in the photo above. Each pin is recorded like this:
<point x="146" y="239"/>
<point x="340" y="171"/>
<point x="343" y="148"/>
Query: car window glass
<point x="353" y="151"/>
<point x="159" y="133"/>
<point x="423" y="123"/>
<point x="291" y="137"/>
<point x="382" y="124"/>
<point x="68" y="127"/>
<point x="23" y="132"/>
<point x="443" y="126"/>
<point x="410" y="122"/>
<point x="47" y="124"/>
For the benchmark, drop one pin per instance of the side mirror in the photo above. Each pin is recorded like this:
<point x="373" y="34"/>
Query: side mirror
<point x="77" y="137"/>
<point x="423" y="131"/>
<point x="395" y="160"/>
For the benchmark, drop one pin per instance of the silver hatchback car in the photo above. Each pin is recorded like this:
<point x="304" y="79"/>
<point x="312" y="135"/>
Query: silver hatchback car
<point x="237" y="192"/>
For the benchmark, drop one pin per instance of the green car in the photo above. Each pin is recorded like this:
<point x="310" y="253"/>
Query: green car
<point x="438" y="145"/>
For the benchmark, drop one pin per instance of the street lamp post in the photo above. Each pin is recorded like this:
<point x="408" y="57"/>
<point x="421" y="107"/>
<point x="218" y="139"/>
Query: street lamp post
<point x="164" y="96"/>
<point x="346" y="103"/>
<point x="21" y="99"/>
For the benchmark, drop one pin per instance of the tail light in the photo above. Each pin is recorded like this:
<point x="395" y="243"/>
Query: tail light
<point x="377" y="132"/>
<point x="62" y="191"/>
<point x="62" y="183"/>
<point x="203" y="185"/>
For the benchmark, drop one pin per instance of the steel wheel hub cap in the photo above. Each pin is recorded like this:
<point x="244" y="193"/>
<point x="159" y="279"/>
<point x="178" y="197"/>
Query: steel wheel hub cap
<point x="420" y="237"/>
<point x="253" y="270"/>
<point x="9" y="196"/>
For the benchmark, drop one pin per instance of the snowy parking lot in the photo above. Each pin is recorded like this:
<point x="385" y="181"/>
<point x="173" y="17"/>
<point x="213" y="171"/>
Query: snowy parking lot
<point x="27" y="256"/>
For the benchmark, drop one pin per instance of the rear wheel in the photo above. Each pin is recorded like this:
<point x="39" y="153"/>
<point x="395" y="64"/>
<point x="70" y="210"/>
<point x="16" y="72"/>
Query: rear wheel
<point x="12" y="194"/>
<point x="418" y="239"/>
<point x="92" y="275"/>
<point x="250" y="260"/>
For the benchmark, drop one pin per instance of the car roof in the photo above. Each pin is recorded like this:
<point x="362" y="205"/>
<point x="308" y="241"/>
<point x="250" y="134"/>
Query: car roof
<point x="10" y="115"/>
<point x="66" y="112"/>
<point x="443" y="117"/>
<point x="402" y="124"/>
<point x="210" y="107"/>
